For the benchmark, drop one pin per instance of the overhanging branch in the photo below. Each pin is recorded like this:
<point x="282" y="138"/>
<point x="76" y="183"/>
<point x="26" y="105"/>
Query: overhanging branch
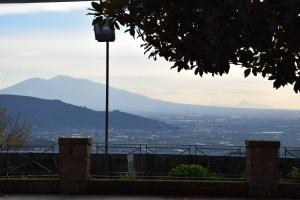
<point x="38" y="1"/>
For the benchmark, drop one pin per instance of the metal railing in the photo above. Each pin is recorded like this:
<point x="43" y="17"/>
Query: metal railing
<point x="177" y="149"/>
<point x="28" y="161"/>
<point x="117" y="148"/>
<point x="291" y="166"/>
<point x="156" y="160"/>
<point x="148" y="160"/>
<point x="292" y="152"/>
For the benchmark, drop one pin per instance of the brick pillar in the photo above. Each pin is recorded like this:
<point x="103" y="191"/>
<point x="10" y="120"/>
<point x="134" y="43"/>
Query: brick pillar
<point x="263" y="168"/>
<point x="74" y="163"/>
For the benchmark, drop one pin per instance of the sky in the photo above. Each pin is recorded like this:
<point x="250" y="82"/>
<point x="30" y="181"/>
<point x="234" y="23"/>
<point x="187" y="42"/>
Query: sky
<point x="45" y="40"/>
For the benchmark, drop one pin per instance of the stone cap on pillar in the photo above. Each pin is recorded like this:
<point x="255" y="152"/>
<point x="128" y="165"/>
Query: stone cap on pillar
<point x="262" y="144"/>
<point x="75" y="141"/>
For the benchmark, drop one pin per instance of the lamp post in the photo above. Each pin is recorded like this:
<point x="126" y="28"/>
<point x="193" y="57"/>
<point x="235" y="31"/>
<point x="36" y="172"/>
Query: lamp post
<point x="105" y="34"/>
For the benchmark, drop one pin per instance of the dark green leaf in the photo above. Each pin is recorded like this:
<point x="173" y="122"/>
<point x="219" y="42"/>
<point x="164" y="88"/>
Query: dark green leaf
<point x="247" y="72"/>
<point x="96" y="6"/>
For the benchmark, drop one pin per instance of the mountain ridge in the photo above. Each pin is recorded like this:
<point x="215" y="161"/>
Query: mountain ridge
<point x="55" y="114"/>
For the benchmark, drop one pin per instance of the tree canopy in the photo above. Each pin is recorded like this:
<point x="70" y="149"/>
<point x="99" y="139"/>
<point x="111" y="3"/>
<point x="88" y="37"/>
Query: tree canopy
<point x="12" y="131"/>
<point x="262" y="36"/>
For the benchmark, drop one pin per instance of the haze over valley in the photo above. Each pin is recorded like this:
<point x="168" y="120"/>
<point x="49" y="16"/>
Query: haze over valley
<point x="65" y="106"/>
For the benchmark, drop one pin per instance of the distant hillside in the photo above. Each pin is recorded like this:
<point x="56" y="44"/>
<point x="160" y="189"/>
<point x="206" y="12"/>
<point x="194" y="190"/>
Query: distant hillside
<point x="55" y="114"/>
<point x="90" y="94"/>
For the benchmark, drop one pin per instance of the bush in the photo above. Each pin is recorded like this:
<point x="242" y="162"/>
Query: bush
<point x="243" y="175"/>
<point x="192" y="170"/>
<point x="295" y="173"/>
<point x="127" y="176"/>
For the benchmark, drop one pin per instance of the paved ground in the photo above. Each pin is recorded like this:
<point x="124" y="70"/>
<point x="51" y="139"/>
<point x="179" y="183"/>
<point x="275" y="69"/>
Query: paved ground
<point x="63" y="197"/>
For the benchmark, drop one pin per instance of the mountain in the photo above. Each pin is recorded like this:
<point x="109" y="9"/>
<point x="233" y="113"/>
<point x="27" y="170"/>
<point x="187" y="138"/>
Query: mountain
<point x="83" y="92"/>
<point x="55" y="114"/>
<point x="90" y="94"/>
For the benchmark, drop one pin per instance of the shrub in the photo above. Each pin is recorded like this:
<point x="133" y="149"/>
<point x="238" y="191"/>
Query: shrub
<point x="192" y="170"/>
<point x="127" y="176"/>
<point x="243" y="175"/>
<point x="295" y="173"/>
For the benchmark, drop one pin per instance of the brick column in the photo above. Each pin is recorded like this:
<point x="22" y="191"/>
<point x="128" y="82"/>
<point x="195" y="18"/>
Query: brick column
<point x="263" y="168"/>
<point x="74" y="163"/>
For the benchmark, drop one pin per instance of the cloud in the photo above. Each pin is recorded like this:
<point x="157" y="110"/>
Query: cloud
<point x="11" y="9"/>
<point x="249" y="104"/>
<point x="50" y="50"/>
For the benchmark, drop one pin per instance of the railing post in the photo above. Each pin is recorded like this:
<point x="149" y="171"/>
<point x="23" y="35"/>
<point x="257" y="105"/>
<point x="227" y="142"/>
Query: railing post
<point x="53" y="148"/>
<point x="146" y="161"/>
<point x="195" y="154"/>
<point x="74" y="164"/>
<point x="140" y="162"/>
<point x="140" y="149"/>
<point x="2" y="161"/>
<point x="7" y="161"/>
<point x="262" y="168"/>
<point x="285" y="163"/>
<point x="240" y="163"/>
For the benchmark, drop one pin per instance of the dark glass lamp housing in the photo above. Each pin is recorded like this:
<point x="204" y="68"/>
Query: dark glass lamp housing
<point x="104" y="34"/>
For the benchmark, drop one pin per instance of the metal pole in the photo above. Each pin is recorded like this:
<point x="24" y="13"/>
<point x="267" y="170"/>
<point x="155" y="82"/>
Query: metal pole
<point x="107" y="98"/>
<point x="106" y="110"/>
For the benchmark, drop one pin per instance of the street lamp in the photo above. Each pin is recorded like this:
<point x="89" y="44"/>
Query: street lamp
<point x="105" y="34"/>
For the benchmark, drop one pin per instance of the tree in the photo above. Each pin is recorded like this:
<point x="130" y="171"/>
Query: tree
<point x="12" y="132"/>
<point x="262" y="36"/>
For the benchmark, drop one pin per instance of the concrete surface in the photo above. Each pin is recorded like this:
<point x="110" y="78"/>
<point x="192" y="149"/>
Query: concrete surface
<point x="72" y="197"/>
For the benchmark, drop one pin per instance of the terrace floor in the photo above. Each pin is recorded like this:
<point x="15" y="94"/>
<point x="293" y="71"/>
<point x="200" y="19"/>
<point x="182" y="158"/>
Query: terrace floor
<point x="84" y="197"/>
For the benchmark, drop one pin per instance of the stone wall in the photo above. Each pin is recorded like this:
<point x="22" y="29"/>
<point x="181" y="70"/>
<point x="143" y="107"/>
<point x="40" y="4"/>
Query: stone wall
<point x="32" y="185"/>
<point x="168" y="187"/>
<point x="262" y="169"/>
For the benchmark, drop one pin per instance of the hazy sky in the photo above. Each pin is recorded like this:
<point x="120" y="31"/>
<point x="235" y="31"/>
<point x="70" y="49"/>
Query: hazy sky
<point x="44" y="40"/>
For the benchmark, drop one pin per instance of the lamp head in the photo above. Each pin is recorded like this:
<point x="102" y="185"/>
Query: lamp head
<point x="105" y="33"/>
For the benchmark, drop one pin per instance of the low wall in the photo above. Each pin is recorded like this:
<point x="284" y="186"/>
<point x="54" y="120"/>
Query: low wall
<point x="145" y="187"/>
<point x="289" y="190"/>
<point x="130" y="187"/>
<point x="33" y="185"/>
<point x="75" y="164"/>
<point x="168" y="187"/>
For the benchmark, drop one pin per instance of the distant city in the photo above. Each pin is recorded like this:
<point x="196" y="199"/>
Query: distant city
<point x="194" y="129"/>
